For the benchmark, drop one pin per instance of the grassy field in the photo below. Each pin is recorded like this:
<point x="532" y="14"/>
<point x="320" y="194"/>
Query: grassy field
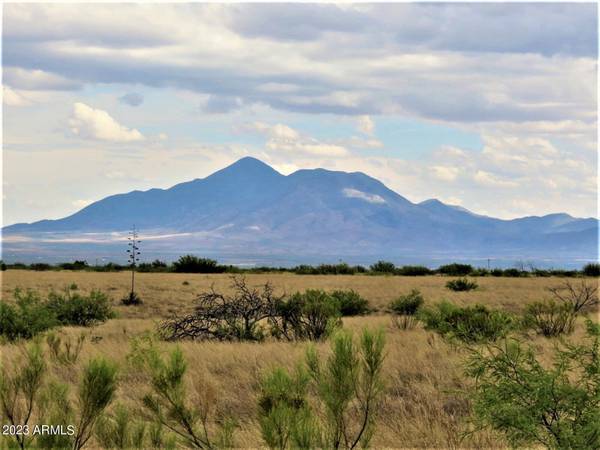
<point x="424" y="375"/>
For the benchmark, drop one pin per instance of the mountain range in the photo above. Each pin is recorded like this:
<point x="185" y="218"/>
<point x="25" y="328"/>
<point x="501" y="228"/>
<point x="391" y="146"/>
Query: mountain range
<point x="248" y="208"/>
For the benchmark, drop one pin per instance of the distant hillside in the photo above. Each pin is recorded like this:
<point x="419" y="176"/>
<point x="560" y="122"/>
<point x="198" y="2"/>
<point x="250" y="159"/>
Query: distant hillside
<point x="249" y="208"/>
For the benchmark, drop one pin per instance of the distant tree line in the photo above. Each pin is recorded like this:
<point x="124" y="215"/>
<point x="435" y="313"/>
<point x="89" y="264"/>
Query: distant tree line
<point x="195" y="264"/>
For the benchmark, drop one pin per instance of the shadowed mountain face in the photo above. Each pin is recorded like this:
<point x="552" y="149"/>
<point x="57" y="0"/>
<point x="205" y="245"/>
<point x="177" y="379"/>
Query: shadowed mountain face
<point x="250" y="208"/>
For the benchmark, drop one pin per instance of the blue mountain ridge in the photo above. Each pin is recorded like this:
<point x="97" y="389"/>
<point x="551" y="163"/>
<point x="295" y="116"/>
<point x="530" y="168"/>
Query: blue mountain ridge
<point x="250" y="207"/>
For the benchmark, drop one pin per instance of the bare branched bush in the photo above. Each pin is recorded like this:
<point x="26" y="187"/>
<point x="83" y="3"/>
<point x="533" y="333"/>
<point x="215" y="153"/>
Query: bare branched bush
<point x="558" y="315"/>
<point x="226" y="317"/>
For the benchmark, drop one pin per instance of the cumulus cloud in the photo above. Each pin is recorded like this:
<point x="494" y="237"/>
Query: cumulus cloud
<point x="35" y="79"/>
<point x="366" y="125"/>
<point x="11" y="97"/>
<point x="282" y="138"/>
<point x="132" y="99"/>
<point x="355" y="193"/>
<point x="89" y="123"/>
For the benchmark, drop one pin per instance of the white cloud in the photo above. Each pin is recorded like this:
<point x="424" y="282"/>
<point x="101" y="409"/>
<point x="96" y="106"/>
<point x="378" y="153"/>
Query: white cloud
<point x="282" y="138"/>
<point x="81" y="203"/>
<point x="11" y="97"/>
<point x="492" y="180"/>
<point x="366" y="125"/>
<point x="89" y="123"/>
<point x="355" y="193"/>
<point x="445" y="173"/>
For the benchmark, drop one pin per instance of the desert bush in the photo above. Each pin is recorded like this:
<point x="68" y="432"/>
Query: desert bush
<point x="383" y="267"/>
<point x="284" y="412"/>
<point x="591" y="270"/>
<point x="26" y="318"/>
<point x="470" y="324"/>
<point x="72" y="308"/>
<point x="76" y="265"/>
<point x="65" y="351"/>
<point x="350" y="303"/>
<point x="193" y="264"/>
<point x="407" y="304"/>
<point x="132" y="299"/>
<point x="225" y="317"/>
<point x="461" y="284"/>
<point x="20" y="389"/>
<point x="168" y="403"/>
<point x="557" y="315"/>
<point x="348" y="387"/>
<point x="312" y="315"/>
<point x="120" y="430"/>
<point x="455" y="269"/>
<point x="532" y="405"/>
<point x="325" y="269"/>
<point x="413" y="271"/>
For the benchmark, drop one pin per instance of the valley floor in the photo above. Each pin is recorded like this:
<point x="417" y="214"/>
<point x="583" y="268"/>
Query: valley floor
<point x="424" y="404"/>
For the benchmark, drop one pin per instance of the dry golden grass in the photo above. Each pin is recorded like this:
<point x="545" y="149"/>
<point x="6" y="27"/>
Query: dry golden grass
<point x="424" y="374"/>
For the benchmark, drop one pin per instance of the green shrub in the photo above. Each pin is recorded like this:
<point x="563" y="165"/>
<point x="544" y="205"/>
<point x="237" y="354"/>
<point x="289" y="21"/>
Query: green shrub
<point x="348" y="387"/>
<point x="591" y="270"/>
<point x="532" y="404"/>
<point x="455" y="269"/>
<point x="383" y="267"/>
<point x="168" y="401"/>
<point x="120" y="430"/>
<point x="413" y="271"/>
<point x="461" y="284"/>
<point x="312" y="315"/>
<point x="408" y="304"/>
<point x="470" y="324"/>
<point x="26" y="318"/>
<point x="549" y="318"/>
<point x="350" y="303"/>
<point x="72" y="308"/>
<point x="193" y="264"/>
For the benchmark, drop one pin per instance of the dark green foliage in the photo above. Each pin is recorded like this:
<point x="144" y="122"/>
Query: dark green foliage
<point x="2" y="266"/>
<point x="461" y="284"/>
<point x="591" y="270"/>
<point x="132" y="299"/>
<point x="455" y="269"/>
<point x="72" y="308"/>
<point x="40" y="267"/>
<point x="408" y="304"/>
<point x="77" y="265"/>
<point x="512" y="272"/>
<point x="155" y="266"/>
<point x="480" y="272"/>
<point x="532" y="404"/>
<point x="470" y="324"/>
<point x="383" y="267"/>
<point x="120" y="430"/>
<point x="325" y="269"/>
<point x="497" y="272"/>
<point x="350" y="303"/>
<point x="193" y="264"/>
<point x="26" y="318"/>
<point x="413" y="271"/>
<point x="312" y="314"/>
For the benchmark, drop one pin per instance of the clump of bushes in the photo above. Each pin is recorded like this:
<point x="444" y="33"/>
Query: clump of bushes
<point x="557" y="315"/>
<point x="312" y="315"/>
<point x="461" y="285"/>
<point x="325" y="269"/>
<point x="383" y="267"/>
<point x="30" y="315"/>
<point x="193" y="264"/>
<point x="455" y="269"/>
<point x="405" y="309"/>
<point x="591" y="270"/>
<point x="252" y="314"/>
<point x="413" y="271"/>
<point x="350" y="303"/>
<point x="471" y="324"/>
<point x="348" y="387"/>
<point x="533" y="404"/>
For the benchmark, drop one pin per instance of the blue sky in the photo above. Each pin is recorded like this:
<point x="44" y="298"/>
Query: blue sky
<point x="489" y="106"/>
